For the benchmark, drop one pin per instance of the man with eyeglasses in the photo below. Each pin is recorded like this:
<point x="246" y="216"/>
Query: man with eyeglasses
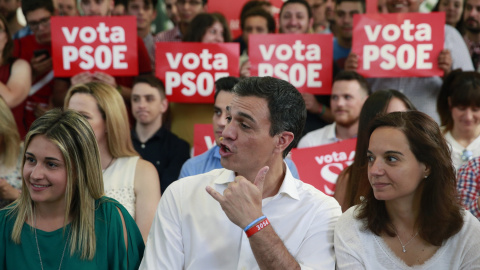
<point x="36" y="49"/>
<point x="187" y="10"/>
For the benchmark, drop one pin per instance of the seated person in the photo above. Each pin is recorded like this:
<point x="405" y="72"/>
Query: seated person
<point x="62" y="218"/>
<point x="127" y="178"/>
<point x="203" y="229"/>
<point x="410" y="217"/>
<point x="458" y="105"/>
<point x="150" y="138"/>
<point x="349" y="92"/>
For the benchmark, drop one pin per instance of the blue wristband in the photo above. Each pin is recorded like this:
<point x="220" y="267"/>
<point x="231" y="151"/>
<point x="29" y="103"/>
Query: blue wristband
<point x="254" y="222"/>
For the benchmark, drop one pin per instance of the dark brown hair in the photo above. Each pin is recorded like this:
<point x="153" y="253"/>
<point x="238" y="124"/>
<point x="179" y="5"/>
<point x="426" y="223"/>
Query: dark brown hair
<point x="8" y="49"/>
<point x="438" y="203"/>
<point x="376" y="104"/>
<point x="463" y="90"/>
<point x="199" y="25"/>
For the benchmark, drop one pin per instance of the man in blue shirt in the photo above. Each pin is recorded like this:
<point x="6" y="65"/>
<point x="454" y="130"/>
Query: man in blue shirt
<point x="210" y="160"/>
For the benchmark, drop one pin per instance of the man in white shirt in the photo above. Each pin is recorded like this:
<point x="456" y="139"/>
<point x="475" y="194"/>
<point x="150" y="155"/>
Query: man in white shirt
<point x="349" y="92"/>
<point x="289" y="223"/>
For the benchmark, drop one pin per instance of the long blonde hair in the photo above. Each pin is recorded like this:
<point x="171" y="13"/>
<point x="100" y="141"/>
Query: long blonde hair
<point x="75" y="138"/>
<point x="114" y="112"/>
<point x="10" y="143"/>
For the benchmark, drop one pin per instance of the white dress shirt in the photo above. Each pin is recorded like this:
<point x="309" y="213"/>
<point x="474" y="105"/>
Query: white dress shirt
<point x="191" y="231"/>
<point x="318" y="137"/>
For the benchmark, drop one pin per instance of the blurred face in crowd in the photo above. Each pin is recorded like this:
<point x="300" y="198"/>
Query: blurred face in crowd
<point x="66" y="7"/>
<point x="344" y="18"/>
<point x="466" y="120"/>
<point x="403" y="6"/>
<point x="172" y="11"/>
<point x="188" y="9"/>
<point x="318" y="11"/>
<point x="329" y="7"/>
<point x="453" y="10"/>
<point x="471" y="16"/>
<point x="294" y="19"/>
<point x="39" y="22"/>
<point x="8" y="8"/>
<point x="144" y="11"/>
<point x="97" y="7"/>
<point x="219" y="118"/>
<point x="346" y="102"/>
<point x="148" y="105"/>
<point x="254" y="25"/>
<point x="214" y="34"/>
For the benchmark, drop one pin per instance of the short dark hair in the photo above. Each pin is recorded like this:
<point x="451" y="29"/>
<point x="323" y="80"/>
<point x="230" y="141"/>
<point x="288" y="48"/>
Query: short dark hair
<point x="362" y="2"/>
<point x="438" y="203"/>
<point x="376" y="104"/>
<point x="253" y="4"/>
<point x="199" y="25"/>
<point x="152" y="81"/>
<point x="225" y="84"/>
<point x="32" y="5"/>
<point x="286" y="106"/>
<point x="302" y="2"/>
<point x="463" y="89"/>
<point x="345" y="75"/>
<point x="145" y="2"/>
<point x="260" y="12"/>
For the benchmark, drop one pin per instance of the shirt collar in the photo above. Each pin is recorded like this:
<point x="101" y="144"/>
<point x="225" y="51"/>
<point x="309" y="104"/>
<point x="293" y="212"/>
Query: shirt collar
<point x="159" y="134"/>
<point x="288" y="186"/>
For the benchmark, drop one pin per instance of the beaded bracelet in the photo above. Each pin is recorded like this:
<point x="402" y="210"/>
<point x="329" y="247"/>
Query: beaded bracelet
<point x="258" y="227"/>
<point x="254" y="222"/>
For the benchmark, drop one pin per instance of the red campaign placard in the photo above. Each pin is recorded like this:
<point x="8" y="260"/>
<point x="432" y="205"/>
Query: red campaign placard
<point x="320" y="166"/>
<point x="304" y="60"/>
<point x="371" y="6"/>
<point x="106" y="44"/>
<point x="203" y="138"/>
<point x="232" y="9"/>
<point x="398" y="45"/>
<point x="190" y="69"/>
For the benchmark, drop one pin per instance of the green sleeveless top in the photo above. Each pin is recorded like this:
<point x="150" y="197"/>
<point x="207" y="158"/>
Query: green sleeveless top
<point x="110" y="251"/>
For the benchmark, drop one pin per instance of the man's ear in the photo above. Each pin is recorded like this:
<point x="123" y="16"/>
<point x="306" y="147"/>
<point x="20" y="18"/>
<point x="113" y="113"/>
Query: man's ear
<point x="164" y="105"/>
<point x="285" y="138"/>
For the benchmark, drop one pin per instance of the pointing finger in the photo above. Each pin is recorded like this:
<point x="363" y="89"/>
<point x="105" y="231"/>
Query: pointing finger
<point x="217" y="196"/>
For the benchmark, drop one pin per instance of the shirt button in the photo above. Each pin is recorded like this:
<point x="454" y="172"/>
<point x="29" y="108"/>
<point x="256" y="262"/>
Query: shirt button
<point x="143" y="145"/>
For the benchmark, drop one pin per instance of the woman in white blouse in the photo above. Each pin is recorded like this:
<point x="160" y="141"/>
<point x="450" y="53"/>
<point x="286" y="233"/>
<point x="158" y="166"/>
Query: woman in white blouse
<point x="127" y="178"/>
<point x="411" y="217"/>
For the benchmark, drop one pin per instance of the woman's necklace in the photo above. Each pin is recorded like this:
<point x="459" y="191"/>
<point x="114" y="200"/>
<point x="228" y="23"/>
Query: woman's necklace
<point x="408" y="242"/>
<point x="110" y="163"/>
<point x="36" y="241"/>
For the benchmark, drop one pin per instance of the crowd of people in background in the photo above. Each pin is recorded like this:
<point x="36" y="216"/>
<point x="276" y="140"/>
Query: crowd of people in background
<point x="97" y="170"/>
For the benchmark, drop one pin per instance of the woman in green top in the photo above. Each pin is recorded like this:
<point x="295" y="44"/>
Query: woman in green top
<point x="62" y="220"/>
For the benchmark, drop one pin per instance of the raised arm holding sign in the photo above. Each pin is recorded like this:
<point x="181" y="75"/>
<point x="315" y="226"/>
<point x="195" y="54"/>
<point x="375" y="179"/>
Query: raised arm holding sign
<point x="408" y="47"/>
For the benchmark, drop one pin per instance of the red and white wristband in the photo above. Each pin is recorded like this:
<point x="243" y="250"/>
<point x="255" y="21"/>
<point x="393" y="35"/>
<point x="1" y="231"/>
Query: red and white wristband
<point x="258" y="227"/>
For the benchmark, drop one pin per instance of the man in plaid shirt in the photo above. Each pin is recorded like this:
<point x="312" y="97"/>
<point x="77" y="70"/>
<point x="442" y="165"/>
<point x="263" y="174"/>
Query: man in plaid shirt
<point x="468" y="186"/>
